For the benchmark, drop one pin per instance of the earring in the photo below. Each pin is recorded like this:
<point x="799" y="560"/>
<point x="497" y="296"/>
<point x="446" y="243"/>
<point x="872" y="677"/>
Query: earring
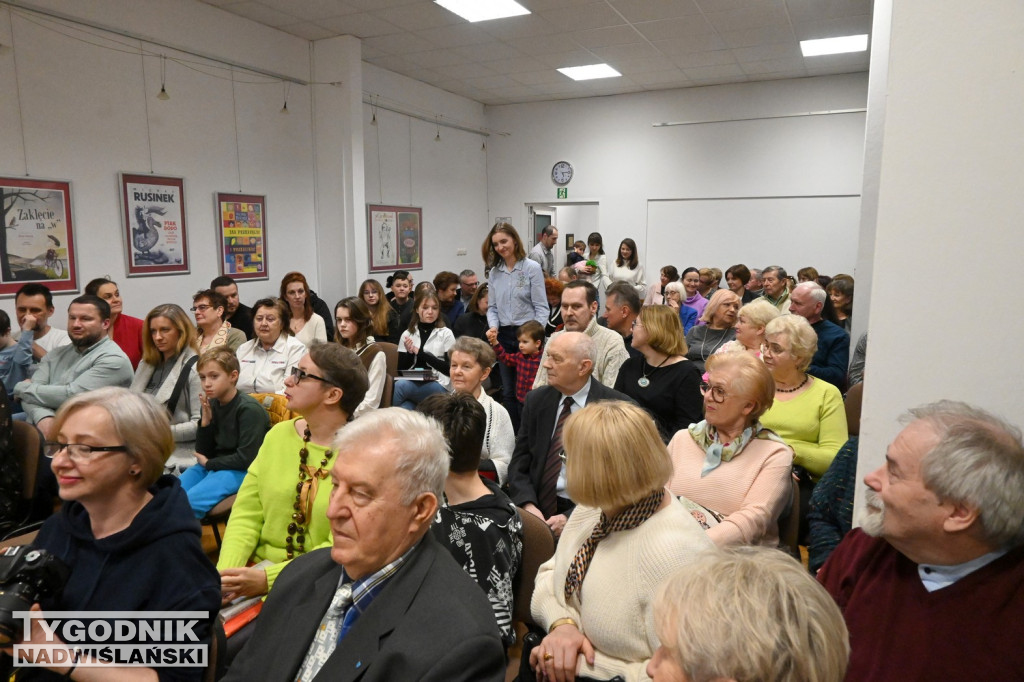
<point x="134" y="472"/>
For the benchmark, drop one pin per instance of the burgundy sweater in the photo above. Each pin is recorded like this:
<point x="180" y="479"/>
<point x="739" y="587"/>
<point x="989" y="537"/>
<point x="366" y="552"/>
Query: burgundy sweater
<point x="899" y="631"/>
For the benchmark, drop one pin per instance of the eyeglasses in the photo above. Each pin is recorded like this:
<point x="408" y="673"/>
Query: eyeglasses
<point x="772" y="349"/>
<point x="298" y="374"/>
<point x="79" y="452"/>
<point x="636" y="323"/>
<point x="718" y="393"/>
<point x="200" y="308"/>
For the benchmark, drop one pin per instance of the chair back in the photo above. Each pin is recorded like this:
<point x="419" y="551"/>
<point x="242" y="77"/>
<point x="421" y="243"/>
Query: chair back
<point x="391" y="354"/>
<point x="789" y="523"/>
<point x="389" y="391"/>
<point x="538" y="547"/>
<point x="28" y="447"/>
<point x="276" y="406"/>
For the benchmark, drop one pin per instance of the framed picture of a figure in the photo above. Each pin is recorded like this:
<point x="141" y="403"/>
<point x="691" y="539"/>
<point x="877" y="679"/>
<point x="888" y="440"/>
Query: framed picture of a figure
<point x="395" y="238"/>
<point x="37" y="241"/>
<point x="153" y="225"/>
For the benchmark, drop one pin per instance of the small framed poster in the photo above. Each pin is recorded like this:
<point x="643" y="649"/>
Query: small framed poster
<point x="153" y="225"/>
<point x="37" y="240"/>
<point x="396" y="237"/>
<point x="242" y="235"/>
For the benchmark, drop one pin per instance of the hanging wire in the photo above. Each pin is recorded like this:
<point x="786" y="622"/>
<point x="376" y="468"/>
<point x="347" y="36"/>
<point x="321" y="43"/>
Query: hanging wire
<point x="284" y="109"/>
<point x="17" y="90"/>
<point x="437" y="138"/>
<point x="145" y="101"/>
<point x="163" y="80"/>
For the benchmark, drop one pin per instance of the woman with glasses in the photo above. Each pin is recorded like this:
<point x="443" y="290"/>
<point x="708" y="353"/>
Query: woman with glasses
<point x="750" y="324"/>
<point x="209" y="308"/>
<point x="808" y="413"/>
<point x="281" y="508"/>
<point x="267" y="359"/>
<point x="126" y="531"/>
<point x="729" y="463"/>
<point x="662" y="380"/>
<point x="625" y="536"/>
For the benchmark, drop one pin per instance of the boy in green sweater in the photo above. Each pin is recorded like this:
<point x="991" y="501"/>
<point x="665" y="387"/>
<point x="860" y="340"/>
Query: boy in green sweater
<point x="230" y="433"/>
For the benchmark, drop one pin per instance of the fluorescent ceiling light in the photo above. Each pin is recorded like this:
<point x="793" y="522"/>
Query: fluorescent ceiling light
<point x="814" y="48"/>
<point x="482" y="10"/>
<point x="589" y="72"/>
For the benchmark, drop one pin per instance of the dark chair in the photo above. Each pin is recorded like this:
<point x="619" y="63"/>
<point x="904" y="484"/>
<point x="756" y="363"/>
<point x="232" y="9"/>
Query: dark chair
<point x="789" y="524"/>
<point x="28" y="447"/>
<point x="538" y="547"/>
<point x="391" y="355"/>
<point x="218" y="515"/>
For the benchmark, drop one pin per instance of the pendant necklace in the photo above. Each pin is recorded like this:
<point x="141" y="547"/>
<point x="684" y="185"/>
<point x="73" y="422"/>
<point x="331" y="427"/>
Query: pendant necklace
<point x="643" y="381"/>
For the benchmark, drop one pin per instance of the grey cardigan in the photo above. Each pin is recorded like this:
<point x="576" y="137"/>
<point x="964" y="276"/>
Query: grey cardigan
<point x="185" y="417"/>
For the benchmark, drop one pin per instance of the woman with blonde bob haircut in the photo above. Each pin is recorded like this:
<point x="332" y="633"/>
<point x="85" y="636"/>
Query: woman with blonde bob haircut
<point x="625" y="536"/>
<point x="782" y="626"/>
<point x="730" y="464"/>
<point x="750" y="325"/>
<point x="661" y="380"/>
<point x="122" y="525"/>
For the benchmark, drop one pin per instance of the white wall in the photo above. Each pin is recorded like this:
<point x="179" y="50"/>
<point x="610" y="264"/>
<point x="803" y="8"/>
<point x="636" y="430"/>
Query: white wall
<point x="405" y="166"/>
<point x="622" y="161"/>
<point x="949" y="216"/>
<point x="84" y="112"/>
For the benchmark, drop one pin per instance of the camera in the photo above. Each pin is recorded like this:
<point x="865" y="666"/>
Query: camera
<point x="26" y="575"/>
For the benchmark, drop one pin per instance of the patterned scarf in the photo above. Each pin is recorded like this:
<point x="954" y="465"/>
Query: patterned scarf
<point x="629" y="518"/>
<point x="716" y="452"/>
<point x="219" y="339"/>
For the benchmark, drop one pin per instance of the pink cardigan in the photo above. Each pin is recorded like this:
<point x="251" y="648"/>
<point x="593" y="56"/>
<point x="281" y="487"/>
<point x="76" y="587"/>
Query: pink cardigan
<point x="751" y="490"/>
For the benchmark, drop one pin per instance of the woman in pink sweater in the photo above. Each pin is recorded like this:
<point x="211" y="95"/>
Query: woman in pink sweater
<point x="729" y="463"/>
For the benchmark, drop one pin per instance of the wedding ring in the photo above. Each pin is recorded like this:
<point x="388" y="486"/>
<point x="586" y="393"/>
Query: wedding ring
<point x="548" y="657"/>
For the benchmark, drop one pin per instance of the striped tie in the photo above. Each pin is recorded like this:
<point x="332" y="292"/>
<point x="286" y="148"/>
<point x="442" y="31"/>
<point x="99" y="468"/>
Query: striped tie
<point x="546" y="498"/>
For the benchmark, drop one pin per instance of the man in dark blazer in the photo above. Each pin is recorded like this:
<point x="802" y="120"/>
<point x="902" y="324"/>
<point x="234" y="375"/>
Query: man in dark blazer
<point x="569" y="361"/>
<point x="386" y="602"/>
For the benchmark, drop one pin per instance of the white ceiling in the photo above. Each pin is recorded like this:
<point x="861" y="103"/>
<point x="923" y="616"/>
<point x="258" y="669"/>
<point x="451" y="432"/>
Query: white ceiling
<point x="655" y="44"/>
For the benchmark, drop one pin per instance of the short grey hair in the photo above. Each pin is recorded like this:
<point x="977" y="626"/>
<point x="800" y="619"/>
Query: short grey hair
<point x="777" y="269"/>
<point x="676" y="287"/>
<point x="814" y="290"/>
<point x="466" y="273"/>
<point x="978" y="462"/>
<point x="756" y="274"/>
<point x="421" y="450"/>
<point x="803" y="340"/>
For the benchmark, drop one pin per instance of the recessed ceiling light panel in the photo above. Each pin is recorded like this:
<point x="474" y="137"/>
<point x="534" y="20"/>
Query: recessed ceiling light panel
<point x="483" y="10"/>
<point x="589" y="72"/>
<point x="840" y="45"/>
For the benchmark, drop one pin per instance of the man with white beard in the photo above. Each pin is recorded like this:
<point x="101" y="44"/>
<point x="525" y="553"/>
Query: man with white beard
<point x="932" y="583"/>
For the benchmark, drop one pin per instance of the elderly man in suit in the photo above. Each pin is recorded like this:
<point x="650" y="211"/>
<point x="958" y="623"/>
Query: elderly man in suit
<point x="536" y="475"/>
<point x="386" y="602"/>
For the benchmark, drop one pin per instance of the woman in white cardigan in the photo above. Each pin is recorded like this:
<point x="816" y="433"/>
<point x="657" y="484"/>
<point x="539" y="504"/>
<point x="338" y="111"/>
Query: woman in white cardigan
<point x="169" y="350"/>
<point x="354" y="323"/>
<point x="471" y="363"/>
<point x="626" y="535"/>
<point x="627" y="268"/>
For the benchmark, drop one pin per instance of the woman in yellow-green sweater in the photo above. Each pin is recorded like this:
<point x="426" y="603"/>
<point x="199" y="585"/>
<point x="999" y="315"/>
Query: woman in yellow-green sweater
<point x="325" y="387"/>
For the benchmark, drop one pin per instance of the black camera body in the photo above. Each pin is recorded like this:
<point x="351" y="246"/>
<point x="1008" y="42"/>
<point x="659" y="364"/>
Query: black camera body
<point x="27" y="574"/>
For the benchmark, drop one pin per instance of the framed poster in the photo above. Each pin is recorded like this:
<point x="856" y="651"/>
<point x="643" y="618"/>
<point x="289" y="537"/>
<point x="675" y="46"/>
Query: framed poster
<point x="396" y="237"/>
<point x="242" y="235"/>
<point x="153" y="225"/>
<point x="570" y="239"/>
<point x="37" y="240"/>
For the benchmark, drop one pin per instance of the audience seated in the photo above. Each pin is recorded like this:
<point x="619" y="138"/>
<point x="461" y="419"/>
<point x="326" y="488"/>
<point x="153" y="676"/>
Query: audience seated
<point x="473" y="322"/>
<point x="236" y="312"/>
<point x="627" y="535"/>
<point x="425" y="344"/>
<point x="280" y="511"/>
<point x="209" y="308"/>
<point x="15" y="356"/>
<point x="468" y="284"/>
<point x="832" y="356"/>
<point x="750" y="324"/>
<point x="168" y="373"/>
<point x="717" y="328"/>
<point x="579" y="313"/>
<point x="354" y="325"/>
<point x="476" y="521"/>
<point x="269" y="358"/>
<point x="308" y="327"/>
<point x="33" y="306"/>
<point x="621" y="306"/>
<point x="731" y="464"/>
<point x="932" y="584"/>
<point x="775" y="290"/>
<point x="446" y="284"/>
<point x="385" y="317"/>
<point x="675" y="293"/>
<point x="91" y="361"/>
<point x="747" y="613"/>
<point x="656" y="292"/>
<point x="537" y="473"/>
<point x="383" y="596"/>
<point x="125" y="330"/>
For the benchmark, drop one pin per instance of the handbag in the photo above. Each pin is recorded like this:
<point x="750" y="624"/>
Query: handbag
<point x="179" y="385"/>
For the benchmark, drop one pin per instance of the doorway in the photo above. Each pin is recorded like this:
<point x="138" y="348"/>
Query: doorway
<point x="574" y="222"/>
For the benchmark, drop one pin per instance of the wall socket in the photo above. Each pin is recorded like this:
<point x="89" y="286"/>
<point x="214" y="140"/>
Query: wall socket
<point x="460" y="252"/>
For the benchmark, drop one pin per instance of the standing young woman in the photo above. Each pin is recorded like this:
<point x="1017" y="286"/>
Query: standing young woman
<point x="628" y="269"/>
<point x="168" y="348"/>
<point x="516" y="295"/>
<point x="384" y="318"/>
<point x="354" y="327"/>
<point x="306" y="326"/>
<point x="125" y="330"/>
<point x="424" y="344"/>
<point x="597" y="274"/>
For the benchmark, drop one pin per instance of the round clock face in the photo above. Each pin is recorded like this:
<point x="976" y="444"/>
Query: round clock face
<point x="561" y="173"/>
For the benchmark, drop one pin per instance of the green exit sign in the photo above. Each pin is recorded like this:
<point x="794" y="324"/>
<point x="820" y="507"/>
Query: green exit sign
<point x="563" y="192"/>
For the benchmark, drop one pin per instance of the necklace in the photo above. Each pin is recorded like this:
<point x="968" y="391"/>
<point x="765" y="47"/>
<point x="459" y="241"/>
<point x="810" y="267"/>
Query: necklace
<point x="721" y="340"/>
<point x="643" y="381"/>
<point x="807" y="378"/>
<point x="309" y="480"/>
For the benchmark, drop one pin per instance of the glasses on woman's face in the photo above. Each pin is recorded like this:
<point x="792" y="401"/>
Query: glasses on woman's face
<point x="79" y="452"/>
<point x="637" y="323"/>
<point x="772" y="349"/>
<point x="200" y="308"/>
<point x="717" y="393"/>
<point x="298" y="374"/>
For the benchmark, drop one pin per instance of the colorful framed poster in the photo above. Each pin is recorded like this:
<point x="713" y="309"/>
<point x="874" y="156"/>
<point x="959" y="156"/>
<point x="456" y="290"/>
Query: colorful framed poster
<point x="37" y="240"/>
<point x="242" y="235"/>
<point x="396" y="237"/>
<point x="153" y="223"/>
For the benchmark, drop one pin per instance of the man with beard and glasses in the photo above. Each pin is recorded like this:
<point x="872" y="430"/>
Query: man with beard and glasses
<point x="932" y="584"/>
<point x="90" y="362"/>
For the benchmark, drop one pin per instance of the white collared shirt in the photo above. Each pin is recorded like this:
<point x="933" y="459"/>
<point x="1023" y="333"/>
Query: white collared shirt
<point x="579" y="401"/>
<point x="264" y="371"/>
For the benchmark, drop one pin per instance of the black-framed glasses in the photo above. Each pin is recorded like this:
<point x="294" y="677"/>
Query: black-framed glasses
<point x="298" y="374"/>
<point x="718" y="393"/>
<point x="79" y="452"/>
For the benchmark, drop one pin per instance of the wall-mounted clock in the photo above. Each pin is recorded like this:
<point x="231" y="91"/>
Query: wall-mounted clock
<point x="561" y="173"/>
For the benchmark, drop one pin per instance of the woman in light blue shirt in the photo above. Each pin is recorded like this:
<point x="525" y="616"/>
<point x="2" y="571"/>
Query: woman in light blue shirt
<point x="516" y="296"/>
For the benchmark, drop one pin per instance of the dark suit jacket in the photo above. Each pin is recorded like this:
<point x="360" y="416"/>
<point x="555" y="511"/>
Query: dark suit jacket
<point x="431" y="622"/>
<point x="538" y="423"/>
